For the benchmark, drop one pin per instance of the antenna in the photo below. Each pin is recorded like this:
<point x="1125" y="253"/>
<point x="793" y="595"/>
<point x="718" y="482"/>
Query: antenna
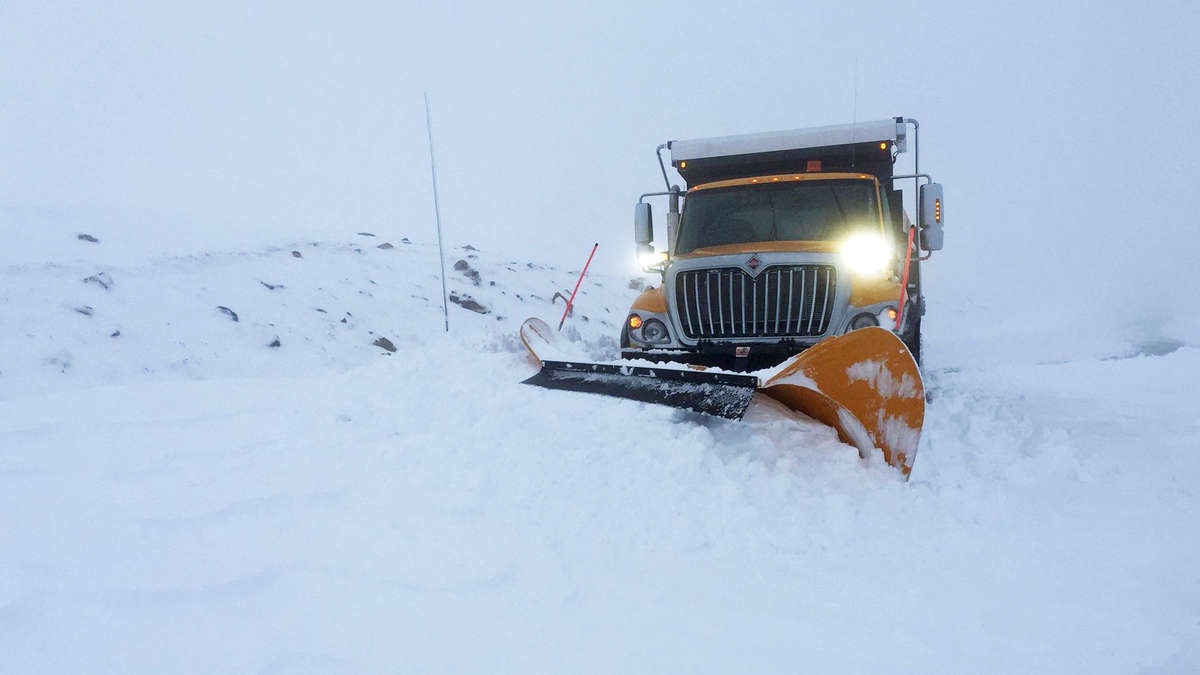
<point x="437" y="214"/>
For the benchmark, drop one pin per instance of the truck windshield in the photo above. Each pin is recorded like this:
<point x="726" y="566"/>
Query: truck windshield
<point x="815" y="210"/>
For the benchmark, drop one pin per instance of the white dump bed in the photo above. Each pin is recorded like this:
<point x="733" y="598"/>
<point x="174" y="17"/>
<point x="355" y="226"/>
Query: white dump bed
<point x="796" y="139"/>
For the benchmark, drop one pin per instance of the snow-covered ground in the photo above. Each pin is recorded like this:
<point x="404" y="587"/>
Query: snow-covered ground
<point x="179" y="495"/>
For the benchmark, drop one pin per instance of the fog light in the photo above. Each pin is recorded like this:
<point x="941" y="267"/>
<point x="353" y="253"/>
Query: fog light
<point x="654" y="331"/>
<point x="635" y="321"/>
<point x="863" y="321"/>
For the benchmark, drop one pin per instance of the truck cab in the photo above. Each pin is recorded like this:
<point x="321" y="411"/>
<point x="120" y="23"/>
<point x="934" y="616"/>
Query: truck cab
<point x="781" y="240"/>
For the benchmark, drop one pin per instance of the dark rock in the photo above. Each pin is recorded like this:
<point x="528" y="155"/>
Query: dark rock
<point x="87" y="237"/>
<point x="365" y="234"/>
<point x="405" y="240"/>
<point x="385" y="343"/>
<point x="86" y="310"/>
<point x="322" y="311"/>
<point x="469" y="247"/>
<point x="386" y="246"/>
<point x="296" y="254"/>
<point x="465" y="267"/>
<point x="274" y="343"/>
<point x="232" y="314"/>
<point x="467" y="302"/>
<point x="270" y="287"/>
<point x="115" y="333"/>
<point x="101" y="279"/>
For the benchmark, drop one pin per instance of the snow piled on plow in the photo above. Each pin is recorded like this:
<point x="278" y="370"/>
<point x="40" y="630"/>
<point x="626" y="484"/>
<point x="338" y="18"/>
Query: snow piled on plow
<point x="179" y="495"/>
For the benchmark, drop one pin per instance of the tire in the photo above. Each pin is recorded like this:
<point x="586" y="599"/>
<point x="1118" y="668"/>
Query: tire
<point x="625" y="335"/>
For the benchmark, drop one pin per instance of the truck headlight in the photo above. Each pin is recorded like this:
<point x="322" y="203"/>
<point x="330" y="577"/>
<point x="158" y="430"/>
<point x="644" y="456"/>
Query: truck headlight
<point x="867" y="253"/>
<point x="654" y="331"/>
<point x="652" y="262"/>
<point x="863" y="321"/>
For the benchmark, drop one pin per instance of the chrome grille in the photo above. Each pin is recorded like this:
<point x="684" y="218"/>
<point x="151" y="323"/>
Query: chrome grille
<point x="781" y="301"/>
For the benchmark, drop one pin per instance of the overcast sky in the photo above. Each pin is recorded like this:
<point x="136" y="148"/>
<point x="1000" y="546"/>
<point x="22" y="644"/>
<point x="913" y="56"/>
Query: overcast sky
<point x="1062" y="132"/>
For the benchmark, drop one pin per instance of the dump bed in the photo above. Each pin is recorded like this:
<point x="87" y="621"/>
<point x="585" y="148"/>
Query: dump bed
<point x="864" y="147"/>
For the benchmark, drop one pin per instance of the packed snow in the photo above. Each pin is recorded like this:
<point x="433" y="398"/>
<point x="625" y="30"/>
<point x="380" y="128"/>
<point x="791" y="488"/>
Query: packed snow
<point x="215" y="462"/>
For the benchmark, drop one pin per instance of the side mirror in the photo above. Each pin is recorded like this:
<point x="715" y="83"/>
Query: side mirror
<point x="643" y="224"/>
<point x="932" y="212"/>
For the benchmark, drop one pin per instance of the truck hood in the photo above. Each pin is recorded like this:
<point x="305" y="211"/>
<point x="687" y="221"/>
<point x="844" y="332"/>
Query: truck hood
<point x="764" y="247"/>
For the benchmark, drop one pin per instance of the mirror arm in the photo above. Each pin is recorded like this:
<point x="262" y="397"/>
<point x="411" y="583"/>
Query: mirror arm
<point x="662" y="166"/>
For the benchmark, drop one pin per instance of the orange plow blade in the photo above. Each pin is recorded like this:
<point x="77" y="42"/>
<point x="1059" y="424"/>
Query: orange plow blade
<point x="865" y="384"/>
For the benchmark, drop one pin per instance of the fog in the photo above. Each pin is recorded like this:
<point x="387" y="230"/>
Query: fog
<point x="1062" y="134"/>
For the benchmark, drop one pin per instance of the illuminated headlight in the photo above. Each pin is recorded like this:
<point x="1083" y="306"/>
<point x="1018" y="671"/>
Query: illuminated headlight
<point x="867" y="253"/>
<point x="652" y="261"/>
<point x="863" y="321"/>
<point x="654" y="331"/>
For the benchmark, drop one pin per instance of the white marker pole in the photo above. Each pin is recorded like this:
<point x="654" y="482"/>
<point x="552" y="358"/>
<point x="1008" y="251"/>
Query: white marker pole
<point x="437" y="214"/>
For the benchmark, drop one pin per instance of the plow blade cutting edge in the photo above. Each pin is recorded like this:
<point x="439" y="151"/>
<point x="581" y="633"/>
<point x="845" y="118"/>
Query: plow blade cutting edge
<point x="719" y="394"/>
<point x="865" y="384"/>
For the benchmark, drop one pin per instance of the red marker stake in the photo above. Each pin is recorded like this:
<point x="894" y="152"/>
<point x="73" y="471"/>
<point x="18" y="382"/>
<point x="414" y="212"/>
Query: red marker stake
<point x="571" y="301"/>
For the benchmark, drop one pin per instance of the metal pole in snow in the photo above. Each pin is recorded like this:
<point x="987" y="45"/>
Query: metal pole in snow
<point x="437" y="214"/>
<point x="571" y="301"/>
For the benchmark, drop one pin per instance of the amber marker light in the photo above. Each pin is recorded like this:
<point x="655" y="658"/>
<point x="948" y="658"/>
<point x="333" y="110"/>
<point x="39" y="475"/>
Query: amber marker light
<point x="891" y="314"/>
<point x="683" y="165"/>
<point x="635" y="321"/>
<point x="883" y="146"/>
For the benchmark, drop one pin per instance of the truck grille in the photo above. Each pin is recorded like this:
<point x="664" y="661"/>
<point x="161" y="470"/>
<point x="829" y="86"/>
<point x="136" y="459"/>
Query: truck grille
<point x="781" y="301"/>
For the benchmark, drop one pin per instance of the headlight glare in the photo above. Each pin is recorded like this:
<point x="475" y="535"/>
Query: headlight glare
<point x="652" y="261"/>
<point x="867" y="253"/>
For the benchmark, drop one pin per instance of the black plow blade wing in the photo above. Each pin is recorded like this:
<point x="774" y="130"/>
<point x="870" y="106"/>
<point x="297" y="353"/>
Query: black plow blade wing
<point x="719" y="394"/>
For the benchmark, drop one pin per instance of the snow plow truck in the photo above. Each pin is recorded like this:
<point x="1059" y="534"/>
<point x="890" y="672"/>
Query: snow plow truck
<point x="789" y="257"/>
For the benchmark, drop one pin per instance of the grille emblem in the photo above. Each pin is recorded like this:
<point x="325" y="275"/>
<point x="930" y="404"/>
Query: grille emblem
<point x="753" y="263"/>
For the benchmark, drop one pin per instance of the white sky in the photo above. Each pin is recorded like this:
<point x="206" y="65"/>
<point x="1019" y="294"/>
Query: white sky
<point x="1062" y="133"/>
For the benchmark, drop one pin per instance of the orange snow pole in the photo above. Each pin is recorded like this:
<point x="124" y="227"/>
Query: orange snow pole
<point x="571" y="300"/>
